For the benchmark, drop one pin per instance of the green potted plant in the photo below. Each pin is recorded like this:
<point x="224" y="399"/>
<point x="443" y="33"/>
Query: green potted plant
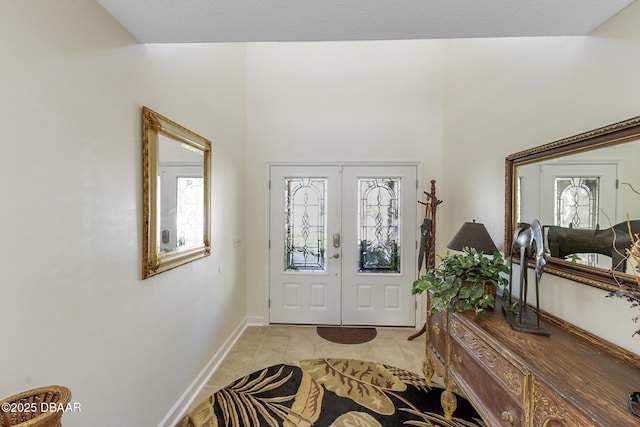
<point x="463" y="281"/>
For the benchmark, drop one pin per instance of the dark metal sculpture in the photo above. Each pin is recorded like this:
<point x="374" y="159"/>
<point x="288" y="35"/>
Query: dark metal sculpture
<point x="612" y="242"/>
<point x="528" y="243"/>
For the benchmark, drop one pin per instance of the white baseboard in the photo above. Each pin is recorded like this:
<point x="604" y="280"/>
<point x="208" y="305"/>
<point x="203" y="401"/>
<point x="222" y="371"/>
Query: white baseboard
<point x="180" y="408"/>
<point x="256" y="321"/>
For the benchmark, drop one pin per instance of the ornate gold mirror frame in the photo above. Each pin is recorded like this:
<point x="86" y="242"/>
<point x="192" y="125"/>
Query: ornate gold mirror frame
<point x="624" y="139"/>
<point x="176" y="194"/>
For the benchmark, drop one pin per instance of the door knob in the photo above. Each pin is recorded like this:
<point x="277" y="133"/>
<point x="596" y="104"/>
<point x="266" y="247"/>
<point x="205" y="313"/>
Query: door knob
<point x="336" y="255"/>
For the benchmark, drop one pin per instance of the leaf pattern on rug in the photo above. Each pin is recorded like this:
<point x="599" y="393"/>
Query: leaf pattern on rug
<point x="436" y="420"/>
<point x="407" y="377"/>
<point x="307" y="404"/>
<point x="355" y="419"/>
<point x="363" y="382"/>
<point x="203" y="415"/>
<point x="329" y="392"/>
<point x="240" y="403"/>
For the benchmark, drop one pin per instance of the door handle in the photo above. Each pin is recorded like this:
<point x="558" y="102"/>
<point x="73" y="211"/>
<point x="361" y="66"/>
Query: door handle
<point x="336" y="255"/>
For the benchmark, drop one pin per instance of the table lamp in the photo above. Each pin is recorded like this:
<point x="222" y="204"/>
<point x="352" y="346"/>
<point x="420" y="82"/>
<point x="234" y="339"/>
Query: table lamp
<point x="474" y="235"/>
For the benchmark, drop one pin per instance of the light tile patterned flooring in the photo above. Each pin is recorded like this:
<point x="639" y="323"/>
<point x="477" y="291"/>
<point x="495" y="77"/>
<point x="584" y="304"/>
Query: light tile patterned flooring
<point x="263" y="346"/>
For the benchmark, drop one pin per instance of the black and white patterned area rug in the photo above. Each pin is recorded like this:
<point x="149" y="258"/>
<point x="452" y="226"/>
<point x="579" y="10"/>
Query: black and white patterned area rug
<point x="329" y="392"/>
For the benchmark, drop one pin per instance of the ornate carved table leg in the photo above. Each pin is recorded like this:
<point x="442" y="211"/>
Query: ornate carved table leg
<point x="448" y="399"/>
<point x="427" y="369"/>
<point x="449" y="403"/>
<point x="427" y="365"/>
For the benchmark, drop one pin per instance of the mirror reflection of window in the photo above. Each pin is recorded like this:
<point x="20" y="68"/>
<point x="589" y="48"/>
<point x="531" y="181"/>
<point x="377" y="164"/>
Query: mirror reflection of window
<point x="181" y="199"/>
<point x="519" y="200"/>
<point x="577" y="201"/>
<point x="577" y="207"/>
<point x="190" y="201"/>
<point x="570" y="194"/>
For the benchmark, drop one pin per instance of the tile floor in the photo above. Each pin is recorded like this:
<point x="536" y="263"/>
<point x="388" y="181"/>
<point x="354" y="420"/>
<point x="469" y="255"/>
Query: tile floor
<point x="263" y="346"/>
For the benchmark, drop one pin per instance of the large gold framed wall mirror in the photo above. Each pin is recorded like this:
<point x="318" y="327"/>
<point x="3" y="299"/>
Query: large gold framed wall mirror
<point x="585" y="190"/>
<point x="176" y="191"/>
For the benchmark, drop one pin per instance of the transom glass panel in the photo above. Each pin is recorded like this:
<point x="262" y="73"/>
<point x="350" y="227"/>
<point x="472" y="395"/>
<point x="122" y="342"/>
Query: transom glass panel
<point x="305" y="224"/>
<point x="379" y="225"/>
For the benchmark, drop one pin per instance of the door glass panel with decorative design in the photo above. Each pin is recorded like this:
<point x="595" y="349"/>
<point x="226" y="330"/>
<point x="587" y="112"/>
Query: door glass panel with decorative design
<point x="379" y="225"/>
<point x="305" y="224"/>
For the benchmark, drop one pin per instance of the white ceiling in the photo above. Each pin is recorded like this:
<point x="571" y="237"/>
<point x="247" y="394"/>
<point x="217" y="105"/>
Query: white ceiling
<point x="177" y="21"/>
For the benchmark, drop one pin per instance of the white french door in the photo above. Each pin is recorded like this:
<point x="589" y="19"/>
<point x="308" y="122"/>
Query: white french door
<point x="305" y="278"/>
<point x="342" y="244"/>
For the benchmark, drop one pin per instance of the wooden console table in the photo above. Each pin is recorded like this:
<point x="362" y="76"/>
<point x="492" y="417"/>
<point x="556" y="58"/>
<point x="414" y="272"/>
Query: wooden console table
<point x="519" y="379"/>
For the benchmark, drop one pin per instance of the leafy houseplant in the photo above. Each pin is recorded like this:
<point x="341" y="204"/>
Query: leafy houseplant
<point x="457" y="283"/>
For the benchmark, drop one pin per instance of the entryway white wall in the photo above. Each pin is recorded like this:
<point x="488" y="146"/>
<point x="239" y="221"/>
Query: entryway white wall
<point x="74" y="309"/>
<point x="322" y="102"/>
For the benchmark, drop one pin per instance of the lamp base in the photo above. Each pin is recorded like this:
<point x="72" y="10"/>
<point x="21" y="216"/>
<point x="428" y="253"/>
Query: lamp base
<point x="529" y="324"/>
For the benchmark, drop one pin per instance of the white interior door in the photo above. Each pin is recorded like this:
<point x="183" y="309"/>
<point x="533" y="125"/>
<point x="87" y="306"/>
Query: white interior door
<point x="342" y="245"/>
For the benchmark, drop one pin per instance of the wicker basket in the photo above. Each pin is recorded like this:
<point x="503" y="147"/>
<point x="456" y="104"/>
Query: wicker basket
<point x="488" y="288"/>
<point x="26" y="407"/>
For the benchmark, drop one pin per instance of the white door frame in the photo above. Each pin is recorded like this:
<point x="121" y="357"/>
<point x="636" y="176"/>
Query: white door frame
<point x="419" y="318"/>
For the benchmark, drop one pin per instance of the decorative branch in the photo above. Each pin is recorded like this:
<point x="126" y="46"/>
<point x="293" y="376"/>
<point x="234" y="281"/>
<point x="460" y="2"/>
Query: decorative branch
<point x="631" y="187"/>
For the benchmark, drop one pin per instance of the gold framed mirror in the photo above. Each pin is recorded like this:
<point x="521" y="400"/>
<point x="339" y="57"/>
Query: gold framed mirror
<point x="583" y="189"/>
<point x="176" y="191"/>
